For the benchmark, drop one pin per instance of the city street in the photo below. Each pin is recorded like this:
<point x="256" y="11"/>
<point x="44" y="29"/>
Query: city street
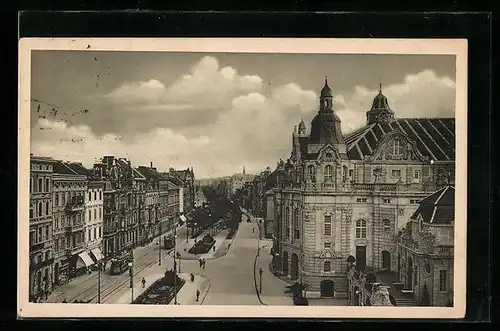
<point x="231" y="276"/>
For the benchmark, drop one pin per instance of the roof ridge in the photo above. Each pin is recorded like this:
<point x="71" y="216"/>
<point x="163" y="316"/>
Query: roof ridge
<point x="68" y="167"/>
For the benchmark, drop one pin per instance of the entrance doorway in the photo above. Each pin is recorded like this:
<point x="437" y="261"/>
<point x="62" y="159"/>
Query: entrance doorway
<point x="294" y="267"/>
<point x="409" y="274"/>
<point x="360" y="257"/>
<point x="327" y="288"/>
<point x="386" y="260"/>
<point x="285" y="263"/>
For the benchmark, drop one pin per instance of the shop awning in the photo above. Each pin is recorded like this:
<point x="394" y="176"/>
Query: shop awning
<point x="97" y="254"/>
<point x="84" y="260"/>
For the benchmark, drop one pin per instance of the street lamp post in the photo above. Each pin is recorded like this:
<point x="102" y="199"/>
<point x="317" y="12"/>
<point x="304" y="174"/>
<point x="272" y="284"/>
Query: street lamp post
<point x="159" y="235"/>
<point x="131" y="272"/>
<point x="175" y="264"/>
<point x="260" y="279"/>
<point x="99" y="282"/>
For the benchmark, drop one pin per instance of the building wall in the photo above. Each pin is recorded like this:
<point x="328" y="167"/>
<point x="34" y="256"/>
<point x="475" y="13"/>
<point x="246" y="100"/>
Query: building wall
<point x="94" y="217"/>
<point x="41" y="227"/>
<point x="69" y="224"/>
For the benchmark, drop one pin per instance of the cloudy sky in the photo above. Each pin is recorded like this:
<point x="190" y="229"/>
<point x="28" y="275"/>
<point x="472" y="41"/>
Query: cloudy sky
<point x="215" y="112"/>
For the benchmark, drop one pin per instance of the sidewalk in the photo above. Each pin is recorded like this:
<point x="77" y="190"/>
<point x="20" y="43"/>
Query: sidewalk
<point x="126" y="298"/>
<point x="273" y="289"/>
<point x="187" y="294"/>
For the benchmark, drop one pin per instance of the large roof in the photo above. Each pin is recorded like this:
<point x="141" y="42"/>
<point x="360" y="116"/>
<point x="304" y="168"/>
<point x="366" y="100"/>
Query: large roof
<point x="437" y="208"/>
<point x="434" y="137"/>
<point x="149" y="173"/>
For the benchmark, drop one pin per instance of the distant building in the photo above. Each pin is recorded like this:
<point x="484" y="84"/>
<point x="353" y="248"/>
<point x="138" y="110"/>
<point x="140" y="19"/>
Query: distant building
<point x="425" y="250"/>
<point x="40" y="226"/>
<point x="200" y="198"/>
<point x="188" y="179"/>
<point x="237" y="181"/>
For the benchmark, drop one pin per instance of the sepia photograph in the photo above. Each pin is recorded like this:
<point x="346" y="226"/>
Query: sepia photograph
<point x="215" y="177"/>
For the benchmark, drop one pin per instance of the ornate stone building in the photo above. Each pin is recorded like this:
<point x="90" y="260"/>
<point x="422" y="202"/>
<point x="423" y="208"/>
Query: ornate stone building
<point x="188" y="192"/>
<point x="339" y="195"/>
<point x="41" y="250"/>
<point x="425" y="250"/>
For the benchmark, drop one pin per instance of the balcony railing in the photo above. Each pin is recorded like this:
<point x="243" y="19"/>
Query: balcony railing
<point x="37" y="247"/>
<point x="440" y="250"/>
<point x="75" y="227"/>
<point x="75" y="204"/>
<point x="41" y="264"/>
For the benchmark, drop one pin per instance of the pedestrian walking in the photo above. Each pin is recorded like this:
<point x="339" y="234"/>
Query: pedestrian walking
<point x="204" y="262"/>
<point x="214" y="248"/>
<point x="200" y="261"/>
<point x="197" y="295"/>
<point x="143" y="282"/>
<point x="64" y="301"/>
<point x="192" y="277"/>
<point x="253" y="230"/>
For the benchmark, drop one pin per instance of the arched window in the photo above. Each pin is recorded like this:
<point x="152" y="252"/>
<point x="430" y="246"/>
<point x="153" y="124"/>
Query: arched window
<point x="47" y="184"/>
<point x="311" y="173"/>
<point x="328" y="173"/>
<point x="396" y="147"/>
<point x="386" y="224"/>
<point x="361" y="229"/>
<point x="345" y="173"/>
<point x="327" y="266"/>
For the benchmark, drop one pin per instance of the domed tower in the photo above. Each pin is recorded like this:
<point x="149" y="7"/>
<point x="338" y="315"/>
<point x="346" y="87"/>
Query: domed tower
<point x="325" y="127"/>
<point x="380" y="111"/>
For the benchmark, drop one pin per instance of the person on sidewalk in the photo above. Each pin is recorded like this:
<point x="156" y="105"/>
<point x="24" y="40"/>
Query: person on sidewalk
<point x="143" y="282"/>
<point x="214" y="248"/>
<point x="192" y="277"/>
<point x="197" y="295"/>
<point x="253" y="230"/>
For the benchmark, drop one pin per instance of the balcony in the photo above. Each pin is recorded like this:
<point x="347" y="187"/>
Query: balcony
<point x="438" y="250"/>
<point x="41" y="264"/>
<point x="75" y="204"/>
<point x="37" y="247"/>
<point x="74" y="228"/>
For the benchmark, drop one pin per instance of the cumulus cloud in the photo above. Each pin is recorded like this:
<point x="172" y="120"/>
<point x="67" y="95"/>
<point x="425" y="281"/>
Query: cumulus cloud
<point x="423" y="94"/>
<point x="241" y="124"/>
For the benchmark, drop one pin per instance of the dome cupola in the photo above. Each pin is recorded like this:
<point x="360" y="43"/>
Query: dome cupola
<point x="380" y="111"/>
<point x="325" y="126"/>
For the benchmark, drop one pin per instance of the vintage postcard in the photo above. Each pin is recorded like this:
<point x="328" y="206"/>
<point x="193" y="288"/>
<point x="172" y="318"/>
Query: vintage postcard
<point x="299" y="178"/>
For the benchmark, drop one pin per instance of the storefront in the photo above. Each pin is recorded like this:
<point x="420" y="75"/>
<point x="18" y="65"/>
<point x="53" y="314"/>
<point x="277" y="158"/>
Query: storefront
<point x="83" y="261"/>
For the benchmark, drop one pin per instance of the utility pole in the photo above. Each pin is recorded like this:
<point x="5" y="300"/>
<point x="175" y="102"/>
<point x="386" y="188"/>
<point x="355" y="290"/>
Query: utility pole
<point x="175" y="264"/>
<point x="99" y="283"/>
<point x="159" y="236"/>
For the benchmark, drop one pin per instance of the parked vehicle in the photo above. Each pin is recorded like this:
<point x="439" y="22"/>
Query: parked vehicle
<point x="168" y="242"/>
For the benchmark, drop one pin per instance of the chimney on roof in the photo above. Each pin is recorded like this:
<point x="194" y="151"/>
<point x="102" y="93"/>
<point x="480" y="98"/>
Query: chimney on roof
<point x="151" y="166"/>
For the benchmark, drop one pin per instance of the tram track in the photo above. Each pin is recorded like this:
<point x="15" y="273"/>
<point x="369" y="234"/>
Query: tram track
<point x="114" y="280"/>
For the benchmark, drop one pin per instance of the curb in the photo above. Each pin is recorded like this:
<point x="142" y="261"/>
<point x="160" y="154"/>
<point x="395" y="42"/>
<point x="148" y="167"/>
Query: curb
<point x="206" y="293"/>
<point x="255" y="271"/>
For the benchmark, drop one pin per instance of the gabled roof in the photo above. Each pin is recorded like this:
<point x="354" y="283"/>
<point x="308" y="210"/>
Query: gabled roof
<point x="61" y="167"/>
<point x="438" y="207"/>
<point x="434" y="137"/>
<point x="149" y="173"/>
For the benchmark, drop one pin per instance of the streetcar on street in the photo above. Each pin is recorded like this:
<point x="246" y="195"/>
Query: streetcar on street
<point x="120" y="265"/>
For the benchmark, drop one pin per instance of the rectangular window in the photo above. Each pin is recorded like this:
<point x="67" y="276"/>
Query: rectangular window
<point x="95" y="233"/>
<point x="31" y="212"/>
<point x="32" y="238"/>
<point x="47" y="255"/>
<point x="296" y="234"/>
<point x="47" y="232"/>
<point x="327" y="244"/>
<point x="40" y="185"/>
<point x="361" y="199"/>
<point x="31" y="184"/>
<point x="396" y="173"/>
<point x="387" y="200"/>
<point x="100" y="233"/>
<point x="416" y="174"/>
<point x="351" y="173"/>
<point x="90" y="236"/>
<point x="414" y="201"/>
<point x="328" y="225"/>
<point x="442" y="280"/>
